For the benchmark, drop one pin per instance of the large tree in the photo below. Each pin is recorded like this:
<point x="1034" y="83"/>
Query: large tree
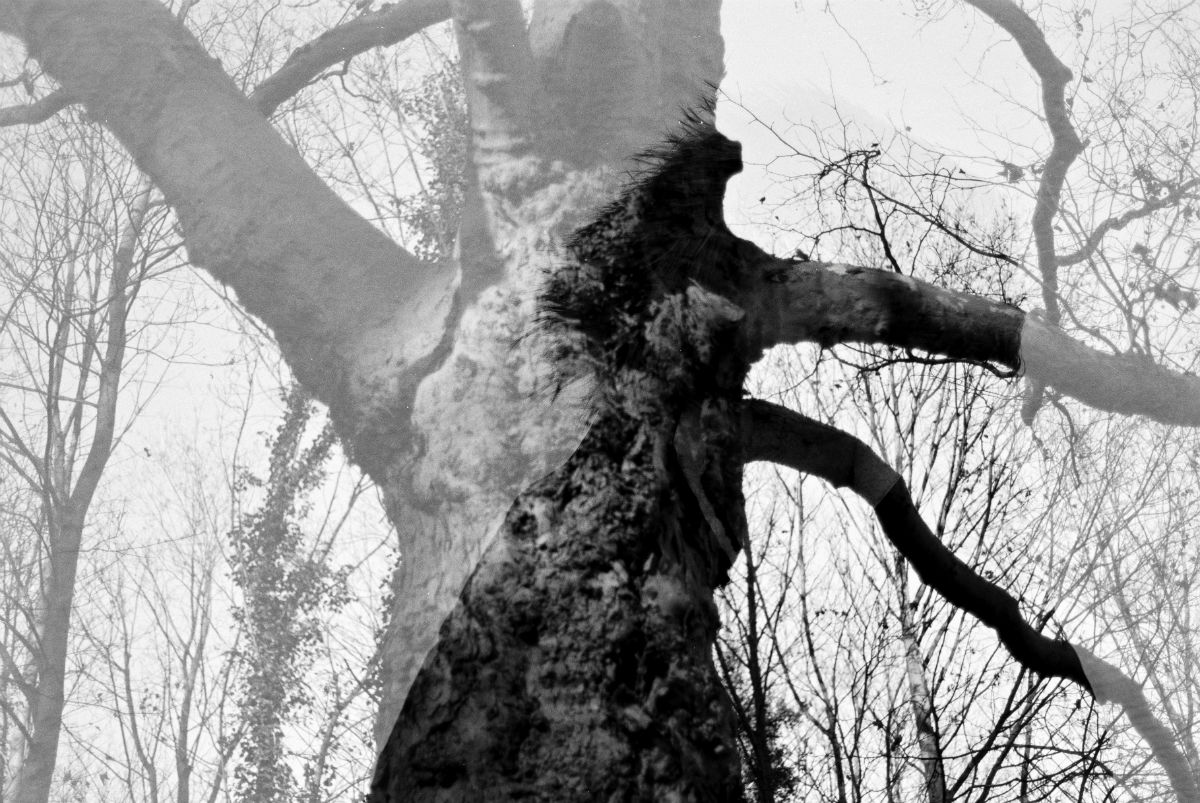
<point x="574" y="626"/>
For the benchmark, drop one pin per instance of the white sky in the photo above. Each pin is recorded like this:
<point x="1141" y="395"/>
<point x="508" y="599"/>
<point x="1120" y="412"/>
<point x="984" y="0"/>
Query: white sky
<point x="875" y="57"/>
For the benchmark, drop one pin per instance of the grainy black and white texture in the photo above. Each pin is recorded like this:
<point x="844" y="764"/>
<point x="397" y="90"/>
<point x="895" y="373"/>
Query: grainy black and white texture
<point x="600" y="587"/>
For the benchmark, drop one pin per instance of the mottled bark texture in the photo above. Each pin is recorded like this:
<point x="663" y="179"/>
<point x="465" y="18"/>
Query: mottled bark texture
<point x="578" y="664"/>
<point x="488" y="420"/>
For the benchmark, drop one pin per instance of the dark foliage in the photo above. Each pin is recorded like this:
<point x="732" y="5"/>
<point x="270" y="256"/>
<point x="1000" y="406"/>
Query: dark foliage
<point x="284" y="586"/>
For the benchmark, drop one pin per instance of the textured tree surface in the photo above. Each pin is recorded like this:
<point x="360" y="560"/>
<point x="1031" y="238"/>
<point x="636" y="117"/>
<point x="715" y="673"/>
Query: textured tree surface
<point x="578" y="664"/>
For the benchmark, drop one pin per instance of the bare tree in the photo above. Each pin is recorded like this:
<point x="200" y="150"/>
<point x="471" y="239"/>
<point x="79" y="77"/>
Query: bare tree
<point x="73" y="266"/>
<point x="165" y="660"/>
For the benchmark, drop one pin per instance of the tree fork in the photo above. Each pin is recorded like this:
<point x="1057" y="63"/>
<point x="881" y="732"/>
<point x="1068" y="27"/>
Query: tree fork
<point x="578" y="664"/>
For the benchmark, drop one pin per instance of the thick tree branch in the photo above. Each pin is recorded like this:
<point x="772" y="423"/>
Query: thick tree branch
<point x="832" y="303"/>
<point x="12" y="13"/>
<point x="1120" y="383"/>
<point x="497" y="67"/>
<point x="356" y="316"/>
<point x="1054" y="77"/>
<point x="788" y="301"/>
<point x="39" y="111"/>
<point x="776" y="434"/>
<point x="385" y="26"/>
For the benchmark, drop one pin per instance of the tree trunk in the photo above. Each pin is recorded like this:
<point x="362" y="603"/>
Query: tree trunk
<point x="920" y="699"/>
<point x="36" y="771"/>
<point x="607" y="81"/>
<point x="578" y="661"/>
<point x="578" y="665"/>
<point x="66" y="506"/>
<point x="440" y="393"/>
<point x="586" y="632"/>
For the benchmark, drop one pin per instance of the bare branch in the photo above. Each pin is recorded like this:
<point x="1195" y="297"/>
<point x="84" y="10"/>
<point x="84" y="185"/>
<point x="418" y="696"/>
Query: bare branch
<point x="1054" y="76"/>
<point x="39" y="111"/>
<point x="1118" y="222"/>
<point x="779" y="435"/>
<point x="122" y="289"/>
<point x="833" y="303"/>
<point x="497" y="67"/>
<point x="1130" y="384"/>
<point x="350" y="309"/>
<point x="386" y="26"/>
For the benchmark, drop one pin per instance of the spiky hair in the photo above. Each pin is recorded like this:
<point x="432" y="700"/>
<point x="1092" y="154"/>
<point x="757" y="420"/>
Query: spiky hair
<point x="663" y="234"/>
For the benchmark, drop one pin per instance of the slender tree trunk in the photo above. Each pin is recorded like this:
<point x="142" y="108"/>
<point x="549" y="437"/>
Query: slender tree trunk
<point x="34" y="775"/>
<point x="932" y="769"/>
<point x="66" y="507"/>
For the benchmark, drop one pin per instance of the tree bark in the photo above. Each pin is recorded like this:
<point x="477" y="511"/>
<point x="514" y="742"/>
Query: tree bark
<point x="920" y="700"/>
<point x="36" y="771"/>
<point x="523" y="200"/>
<point x="578" y="664"/>
<point x="428" y="385"/>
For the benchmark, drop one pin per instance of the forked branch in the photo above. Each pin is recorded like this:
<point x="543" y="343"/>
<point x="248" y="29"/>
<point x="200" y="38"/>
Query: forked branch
<point x="1054" y="77"/>
<point x="385" y="26"/>
<point x="388" y="25"/>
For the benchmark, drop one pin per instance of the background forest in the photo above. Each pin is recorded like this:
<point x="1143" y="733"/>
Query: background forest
<point x="189" y="557"/>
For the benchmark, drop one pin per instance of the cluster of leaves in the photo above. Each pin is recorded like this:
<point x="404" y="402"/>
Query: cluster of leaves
<point x="285" y="586"/>
<point x="439" y="108"/>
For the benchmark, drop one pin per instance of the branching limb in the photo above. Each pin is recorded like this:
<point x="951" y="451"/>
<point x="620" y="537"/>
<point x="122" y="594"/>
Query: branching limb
<point x="1054" y="77"/>
<point x="385" y="26"/>
<point x="1119" y="222"/>
<point x="779" y="435"/>
<point x="1129" y="384"/>
<point x="832" y="303"/>
<point x="358" y="318"/>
